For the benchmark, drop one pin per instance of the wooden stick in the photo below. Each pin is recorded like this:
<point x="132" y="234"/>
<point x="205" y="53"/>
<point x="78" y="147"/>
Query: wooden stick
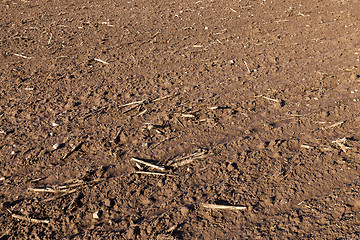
<point x="148" y="164"/>
<point x="222" y="207"/>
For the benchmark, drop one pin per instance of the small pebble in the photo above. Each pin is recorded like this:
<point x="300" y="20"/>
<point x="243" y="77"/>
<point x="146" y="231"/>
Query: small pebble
<point x="54" y="124"/>
<point x="97" y="214"/>
<point x="56" y="146"/>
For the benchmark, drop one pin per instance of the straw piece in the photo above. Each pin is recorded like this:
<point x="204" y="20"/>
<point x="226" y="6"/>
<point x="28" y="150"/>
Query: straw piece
<point x="148" y="164"/>
<point x="22" y="56"/>
<point x="334" y="125"/>
<point x="49" y="190"/>
<point x="341" y="143"/>
<point x="222" y="207"/>
<point x="99" y="60"/>
<point x="77" y="147"/>
<point x="201" y="153"/>
<point x="154" y="173"/>
<point x="59" y="196"/>
<point x="29" y="219"/>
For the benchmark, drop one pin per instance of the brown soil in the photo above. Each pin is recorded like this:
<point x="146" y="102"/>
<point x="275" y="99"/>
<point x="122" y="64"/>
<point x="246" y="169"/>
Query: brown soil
<point x="236" y="103"/>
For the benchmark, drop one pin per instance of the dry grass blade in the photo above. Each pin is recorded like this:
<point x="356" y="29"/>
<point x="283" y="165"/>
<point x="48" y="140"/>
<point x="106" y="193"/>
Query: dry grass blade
<point x="148" y="164"/>
<point x="222" y="207"/>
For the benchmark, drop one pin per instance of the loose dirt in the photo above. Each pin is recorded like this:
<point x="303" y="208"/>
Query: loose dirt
<point x="179" y="120"/>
